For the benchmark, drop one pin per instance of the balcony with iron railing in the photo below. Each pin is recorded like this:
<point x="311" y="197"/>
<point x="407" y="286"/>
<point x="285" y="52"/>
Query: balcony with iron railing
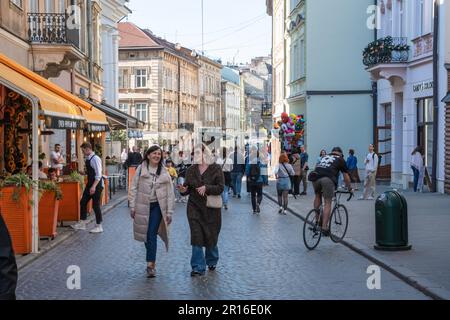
<point x="55" y="46"/>
<point x="386" y="50"/>
<point x="387" y="57"/>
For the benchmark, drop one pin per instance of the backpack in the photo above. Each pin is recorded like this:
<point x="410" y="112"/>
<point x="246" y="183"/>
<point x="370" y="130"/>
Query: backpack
<point x="379" y="158"/>
<point x="255" y="172"/>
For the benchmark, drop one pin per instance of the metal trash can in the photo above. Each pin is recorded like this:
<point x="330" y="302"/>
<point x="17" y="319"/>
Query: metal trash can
<point x="391" y="222"/>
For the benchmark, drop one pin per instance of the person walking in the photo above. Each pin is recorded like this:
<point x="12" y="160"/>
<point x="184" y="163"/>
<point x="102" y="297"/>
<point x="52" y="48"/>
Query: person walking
<point x="183" y="165"/>
<point x="8" y="266"/>
<point x="371" y="174"/>
<point x="297" y="166"/>
<point x="305" y="168"/>
<point x="152" y="202"/>
<point x="238" y="172"/>
<point x="253" y="171"/>
<point x="264" y="158"/>
<point x="227" y="165"/>
<point x="134" y="158"/>
<point x="93" y="189"/>
<point x="417" y="167"/>
<point x="283" y="173"/>
<point x="352" y="166"/>
<point x="203" y="179"/>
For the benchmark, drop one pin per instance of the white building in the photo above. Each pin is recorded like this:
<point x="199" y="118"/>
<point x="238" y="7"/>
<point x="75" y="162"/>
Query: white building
<point x="407" y="115"/>
<point x="231" y="105"/>
<point x="112" y="12"/>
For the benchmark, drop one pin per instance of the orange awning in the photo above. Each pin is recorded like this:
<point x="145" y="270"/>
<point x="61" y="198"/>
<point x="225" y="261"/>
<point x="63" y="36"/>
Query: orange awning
<point x="95" y="116"/>
<point x="20" y="72"/>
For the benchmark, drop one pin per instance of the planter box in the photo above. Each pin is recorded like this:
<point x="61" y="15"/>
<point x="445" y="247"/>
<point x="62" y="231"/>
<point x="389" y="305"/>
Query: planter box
<point x="17" y="216"/>
<point x="69" y="205"/>
<point x="48" y="215"/>
<point x="105" y="194"/>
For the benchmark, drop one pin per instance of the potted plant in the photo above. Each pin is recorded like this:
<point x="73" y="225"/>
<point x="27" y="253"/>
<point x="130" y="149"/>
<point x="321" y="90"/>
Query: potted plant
<point x="15" y="207"/>
<point x="69" y="205"/>
<point x="50" y="195"/>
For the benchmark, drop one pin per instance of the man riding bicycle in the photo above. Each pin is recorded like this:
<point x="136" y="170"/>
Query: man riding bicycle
<point x="325" y="180"/>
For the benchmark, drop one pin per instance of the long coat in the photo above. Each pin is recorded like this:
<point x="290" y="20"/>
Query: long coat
<point x="139" y="198"/>
<point x="204" y="222"/>
<point x="8" y="267"/>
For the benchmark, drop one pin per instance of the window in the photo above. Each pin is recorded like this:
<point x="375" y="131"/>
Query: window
<point x="423" y="20"/>
<point x="425" y="117"/>
<point x="141" y="78"/>
<point x="401" y="18"/>
<point x="123" y="107"/>
<point x="49" y="6"/>
<point x="302" y="58"/>
<point x="141" y="111"/>
<point x="17" y="3"/>
<point x="124" y="78"/>
<point x="33" y="6"/>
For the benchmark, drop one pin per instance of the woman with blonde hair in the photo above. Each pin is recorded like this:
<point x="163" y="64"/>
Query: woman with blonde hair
<point x="204" y="179"/>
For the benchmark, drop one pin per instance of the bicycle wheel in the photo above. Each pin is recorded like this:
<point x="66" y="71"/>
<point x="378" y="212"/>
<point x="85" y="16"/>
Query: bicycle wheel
<point x="338" y="223"/>
<point x="311" y="231"/>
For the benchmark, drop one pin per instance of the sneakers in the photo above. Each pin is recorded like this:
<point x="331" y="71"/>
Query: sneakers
<point x="80" y="225"/>
<point x="370" y="198"/>
<point x="225" y="207"/>
<point x="97" y="229"/>
<point x="151" y="272"/>
<point x="281" y="210"/>
<point x="258" y="209"/>
<point x="196" y="273"/>
<point x="212" y="268"/>
<point x="303" y="193"/>
<point x="284" y="212"/>
<point x="361" y="198"/>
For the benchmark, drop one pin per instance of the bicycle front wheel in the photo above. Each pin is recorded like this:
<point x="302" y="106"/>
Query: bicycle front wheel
<point x="338" y="223"/>
<point x="311" y="230"/>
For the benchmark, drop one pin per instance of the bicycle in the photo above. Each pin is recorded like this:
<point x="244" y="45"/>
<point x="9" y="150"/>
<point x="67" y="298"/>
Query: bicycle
<point x="338" y="223"/>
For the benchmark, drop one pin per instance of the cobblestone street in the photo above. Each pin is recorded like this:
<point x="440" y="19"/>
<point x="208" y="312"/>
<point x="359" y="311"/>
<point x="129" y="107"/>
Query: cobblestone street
<point x="261" y="257"/>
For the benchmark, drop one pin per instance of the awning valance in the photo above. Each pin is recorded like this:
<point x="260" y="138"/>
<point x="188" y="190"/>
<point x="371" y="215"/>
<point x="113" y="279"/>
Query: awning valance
<point x="96" y="120"/>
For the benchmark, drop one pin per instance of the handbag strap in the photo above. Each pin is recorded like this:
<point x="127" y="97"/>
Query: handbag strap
<point x="287" y="171"/>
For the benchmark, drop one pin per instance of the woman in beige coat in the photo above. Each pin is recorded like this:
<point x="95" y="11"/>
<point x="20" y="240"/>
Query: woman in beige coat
<point x="152" y="202"/>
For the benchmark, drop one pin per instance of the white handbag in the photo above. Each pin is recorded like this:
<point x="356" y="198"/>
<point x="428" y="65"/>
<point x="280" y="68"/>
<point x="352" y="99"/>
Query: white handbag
<point x="214" y="202"/>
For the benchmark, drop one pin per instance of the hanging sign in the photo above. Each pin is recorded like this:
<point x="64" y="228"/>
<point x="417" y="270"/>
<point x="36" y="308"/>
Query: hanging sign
<point x="98" y="127"/>
<point x="62" y="123"/>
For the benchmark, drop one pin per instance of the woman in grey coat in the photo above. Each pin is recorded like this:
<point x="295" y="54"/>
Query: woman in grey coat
<point x="202" y="179"/>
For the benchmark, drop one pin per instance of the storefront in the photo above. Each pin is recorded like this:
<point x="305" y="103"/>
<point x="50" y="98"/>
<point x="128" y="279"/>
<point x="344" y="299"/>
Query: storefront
<point x="32" y="110"/>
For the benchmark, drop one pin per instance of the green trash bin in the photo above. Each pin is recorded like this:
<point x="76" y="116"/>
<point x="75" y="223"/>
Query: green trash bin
<point x="391" y="222"/>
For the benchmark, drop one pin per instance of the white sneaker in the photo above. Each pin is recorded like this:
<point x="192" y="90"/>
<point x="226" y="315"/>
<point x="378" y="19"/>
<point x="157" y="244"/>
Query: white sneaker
<point x="284" y="212"/>
<point x="370" y="198"/>
<point x="97" y="229"/>
<point x="80" y="225"/>
<point x="361" y="198"/>
<point x="281" y="210"/>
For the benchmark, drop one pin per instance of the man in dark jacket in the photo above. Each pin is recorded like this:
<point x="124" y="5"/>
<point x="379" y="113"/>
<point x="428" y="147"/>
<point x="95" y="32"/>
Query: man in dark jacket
<point x="134" y="158"/>
<point x="8" y="267"/>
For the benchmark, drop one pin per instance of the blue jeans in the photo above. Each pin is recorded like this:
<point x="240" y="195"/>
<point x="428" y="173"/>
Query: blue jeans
<point x="416" y="177"/>
<point x="236" y="180"/>
<point x="153" y="225"/>
<point x="225" y="195"/>
<point x="200" y="260"/>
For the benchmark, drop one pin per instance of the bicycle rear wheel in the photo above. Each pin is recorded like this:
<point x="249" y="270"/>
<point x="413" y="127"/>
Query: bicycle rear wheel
<point x="338" y="223"/>
<point x="311" y="230"/>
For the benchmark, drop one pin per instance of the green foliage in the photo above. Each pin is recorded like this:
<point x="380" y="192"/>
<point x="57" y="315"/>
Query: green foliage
<point x="18" y="181"/>
<point x="50" y="186"/>
<point x="119" y="135"/>
<point x="75" y="177"/>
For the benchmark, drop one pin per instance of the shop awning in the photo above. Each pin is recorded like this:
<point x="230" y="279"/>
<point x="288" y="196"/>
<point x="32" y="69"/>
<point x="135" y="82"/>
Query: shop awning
<point x="63" y="110"/>
<point x="447" y="98"/>
<point x="96" y="120"/>
<point x="42" y="82"/>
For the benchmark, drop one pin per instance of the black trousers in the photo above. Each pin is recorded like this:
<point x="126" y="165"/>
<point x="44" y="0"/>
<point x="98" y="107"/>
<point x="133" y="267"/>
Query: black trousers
<point x="256" y="194"/>
<point x="96" y="197"/>
<point x="296" y="183"/>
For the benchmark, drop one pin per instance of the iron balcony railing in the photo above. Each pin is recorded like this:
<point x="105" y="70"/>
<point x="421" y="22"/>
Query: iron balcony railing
<point x="51" y="28"/>
<point x="386" y="50"/>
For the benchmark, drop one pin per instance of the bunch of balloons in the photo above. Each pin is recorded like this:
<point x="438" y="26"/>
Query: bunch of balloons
<point x="291" y="131"/>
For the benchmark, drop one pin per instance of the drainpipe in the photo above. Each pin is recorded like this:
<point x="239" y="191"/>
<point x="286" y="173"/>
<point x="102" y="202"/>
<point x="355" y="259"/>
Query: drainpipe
<point x="435" y="94"/>
<point x="90" y="45"/>
<point x="375" y="92"/>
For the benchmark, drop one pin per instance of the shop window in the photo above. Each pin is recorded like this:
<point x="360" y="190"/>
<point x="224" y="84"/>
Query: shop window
<point x="425" y="116"/>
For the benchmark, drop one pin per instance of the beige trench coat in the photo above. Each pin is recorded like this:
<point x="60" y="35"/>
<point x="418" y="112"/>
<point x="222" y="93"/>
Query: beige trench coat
<point x="139" y="199"/>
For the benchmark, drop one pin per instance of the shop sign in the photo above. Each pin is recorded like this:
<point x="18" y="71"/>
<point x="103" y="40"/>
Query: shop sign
<point x="98" y="127"/>
<point x="63" y="123"/>
<point x="423" y="86"/>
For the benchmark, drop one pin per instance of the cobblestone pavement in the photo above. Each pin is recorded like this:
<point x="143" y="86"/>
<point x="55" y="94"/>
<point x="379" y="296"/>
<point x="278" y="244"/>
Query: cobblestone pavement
<point x="261" y="257"/>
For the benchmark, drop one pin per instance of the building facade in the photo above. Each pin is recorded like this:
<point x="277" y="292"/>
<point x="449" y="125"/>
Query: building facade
<point x="210" y="93"/>
<point x="409" y="111"/>
<point x="159" y="84"/>
<point x="113" y="11"/>
<point x="315" y="67"/>
<point x="231" y="106"/>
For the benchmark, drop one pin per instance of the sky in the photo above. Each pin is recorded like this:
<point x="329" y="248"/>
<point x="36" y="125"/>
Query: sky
<point x="234" y="30"/>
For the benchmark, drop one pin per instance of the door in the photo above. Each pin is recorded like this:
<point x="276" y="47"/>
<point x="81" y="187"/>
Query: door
<point x="383" y="142"/>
